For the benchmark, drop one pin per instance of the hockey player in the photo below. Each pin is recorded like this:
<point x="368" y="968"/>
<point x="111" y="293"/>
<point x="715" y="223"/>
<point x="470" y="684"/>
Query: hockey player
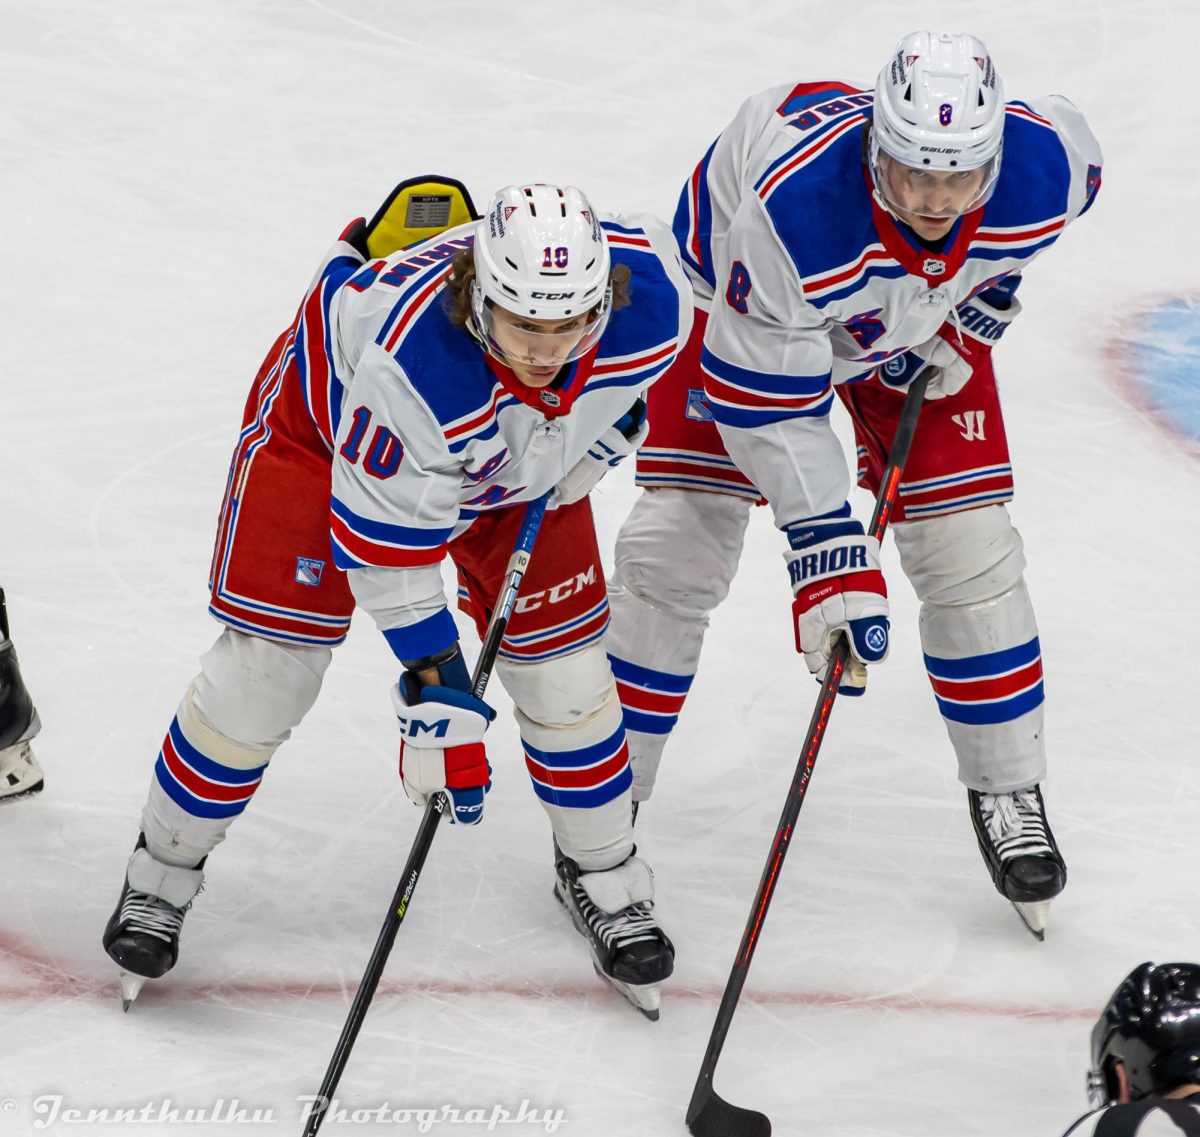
<point x="434" y="391"/>
<point x="20" y="775"/>
<point x="1145" y="1076"/>
<point x="839" y="240"/>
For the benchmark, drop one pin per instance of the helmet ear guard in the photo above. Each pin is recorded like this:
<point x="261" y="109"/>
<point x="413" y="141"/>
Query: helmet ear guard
<point x="1148" y="1035"/>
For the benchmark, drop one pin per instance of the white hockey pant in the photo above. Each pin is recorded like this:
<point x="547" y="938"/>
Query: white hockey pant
<point x="675" y="558"/>
<point x="575" y="751"/>
<point x="249" y="695"/>
<point x="979" y="636"/>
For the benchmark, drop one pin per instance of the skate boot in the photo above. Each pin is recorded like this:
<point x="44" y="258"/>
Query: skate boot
<point x="142" y="936"/>
<point x="1015" y="840"/>
<point x="613" y="911"/>
<point x="20" y="775"/>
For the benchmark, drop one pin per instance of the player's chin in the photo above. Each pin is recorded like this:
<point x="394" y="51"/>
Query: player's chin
<point x="931" y="228"/>
<point x="537" y="376"/>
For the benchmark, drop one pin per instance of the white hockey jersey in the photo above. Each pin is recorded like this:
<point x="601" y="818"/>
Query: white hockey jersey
<point x="427" y="433"/>
<point x="810" y="283"/>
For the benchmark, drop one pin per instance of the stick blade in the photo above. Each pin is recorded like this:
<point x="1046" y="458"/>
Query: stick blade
<point x="713" y="1116"/>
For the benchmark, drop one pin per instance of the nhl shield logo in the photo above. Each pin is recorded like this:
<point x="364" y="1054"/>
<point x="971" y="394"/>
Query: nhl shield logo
<point x="309" y="571"/>
<point x="933" y="267"/>
<point x="551" y="398"/>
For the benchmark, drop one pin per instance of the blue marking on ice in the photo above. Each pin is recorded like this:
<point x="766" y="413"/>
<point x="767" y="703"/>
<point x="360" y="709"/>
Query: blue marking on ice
<point x="1166" y="355"/>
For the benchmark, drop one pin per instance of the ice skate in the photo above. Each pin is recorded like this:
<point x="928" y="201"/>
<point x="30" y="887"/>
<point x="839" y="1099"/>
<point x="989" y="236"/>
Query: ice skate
<point x="1020" y="850"/>
<point x="613" y="910"/>
<point x="20" y="775"/>
<point x="142" y="935"/>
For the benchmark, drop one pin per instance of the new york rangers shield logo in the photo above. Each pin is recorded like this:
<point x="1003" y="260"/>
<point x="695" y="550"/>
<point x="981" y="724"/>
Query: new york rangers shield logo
<point x="309" y="571"/>
<point x="698" y="409"/>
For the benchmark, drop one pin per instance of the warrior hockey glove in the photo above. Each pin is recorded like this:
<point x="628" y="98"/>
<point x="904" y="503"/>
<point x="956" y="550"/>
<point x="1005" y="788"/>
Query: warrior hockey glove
<point x="960" y="345"/>
<point x="839" y="590"/>
<point x="441" y="746"/>
<point x="616" y="443"/>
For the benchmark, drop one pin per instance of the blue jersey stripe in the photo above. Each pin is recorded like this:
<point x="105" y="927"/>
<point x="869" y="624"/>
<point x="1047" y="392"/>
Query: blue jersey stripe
<point x="385" y="533"/>
<point x="748" y="419"/>
<point x="416" y="641"/>
<point x="763" y="382"/>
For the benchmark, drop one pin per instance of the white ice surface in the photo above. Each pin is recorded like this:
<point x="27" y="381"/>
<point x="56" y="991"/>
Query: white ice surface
<point x="170" y="175"/>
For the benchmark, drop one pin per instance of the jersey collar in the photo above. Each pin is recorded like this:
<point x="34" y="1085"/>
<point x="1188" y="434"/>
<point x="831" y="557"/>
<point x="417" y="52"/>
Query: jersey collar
<point x="933" y="268"/>
<point x="553" y="401"/>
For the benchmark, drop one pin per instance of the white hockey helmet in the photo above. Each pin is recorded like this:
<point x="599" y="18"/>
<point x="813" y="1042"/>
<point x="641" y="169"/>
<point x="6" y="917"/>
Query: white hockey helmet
<point x="939" y="105"/>
<point x="540" y="253"/>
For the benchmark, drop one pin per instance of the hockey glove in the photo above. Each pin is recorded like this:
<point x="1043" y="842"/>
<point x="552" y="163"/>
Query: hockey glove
<point x="616" y="443"/>
<point x="839" y="590"/>
<point x="961" y="345"/>
<point x="441" y="745"/>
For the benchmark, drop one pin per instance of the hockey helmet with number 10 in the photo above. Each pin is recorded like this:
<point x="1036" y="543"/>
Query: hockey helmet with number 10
<point x="541" y="254"/>
<point x="1152" y="1027"/>
<point x="939" y="106"/>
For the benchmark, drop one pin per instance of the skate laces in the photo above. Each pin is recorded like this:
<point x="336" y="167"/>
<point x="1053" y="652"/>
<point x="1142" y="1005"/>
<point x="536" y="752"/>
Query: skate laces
<point x="142" y="912"/>
<point x="1015" y="824"/>
<point x="616" y="929"/>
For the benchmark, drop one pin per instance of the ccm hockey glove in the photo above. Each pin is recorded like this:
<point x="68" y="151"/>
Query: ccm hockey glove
<point x="960" y="344"/>
<point x="441" y="744"/>
<point x="616" y="443"/>
<point x="839" y="590"/>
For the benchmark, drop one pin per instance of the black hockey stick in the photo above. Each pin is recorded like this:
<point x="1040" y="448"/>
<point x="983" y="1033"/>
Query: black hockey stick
<point x="438" y="805"/>
<point x="708" y="1114"/>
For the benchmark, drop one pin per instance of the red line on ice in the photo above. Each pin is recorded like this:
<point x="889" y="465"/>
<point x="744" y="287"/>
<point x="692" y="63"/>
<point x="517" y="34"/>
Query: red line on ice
<point x="46" y="981"/>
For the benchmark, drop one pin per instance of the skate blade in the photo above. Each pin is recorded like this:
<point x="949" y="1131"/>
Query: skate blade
<point x="131" y="986"/>
<point x="645" y="997"/>
<point x="1033" y="915"/>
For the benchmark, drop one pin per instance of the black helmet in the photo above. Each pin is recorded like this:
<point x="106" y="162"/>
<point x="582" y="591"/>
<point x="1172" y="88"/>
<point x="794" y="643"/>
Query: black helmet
<point x="1152" y="1025"/>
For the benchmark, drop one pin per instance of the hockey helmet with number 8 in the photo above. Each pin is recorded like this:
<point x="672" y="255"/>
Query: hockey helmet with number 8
<point x="541" y="254"/>
<point x="939" y="106"/>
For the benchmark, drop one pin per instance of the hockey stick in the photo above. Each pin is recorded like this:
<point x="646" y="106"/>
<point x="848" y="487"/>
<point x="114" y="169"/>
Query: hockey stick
<point x="438" y="805"/>
<point x="708" y="1114"/>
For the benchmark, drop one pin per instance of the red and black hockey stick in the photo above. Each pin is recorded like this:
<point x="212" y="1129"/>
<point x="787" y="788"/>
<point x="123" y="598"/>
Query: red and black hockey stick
<point x="438" y="805"/>
<point x="708" y="1114"/>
